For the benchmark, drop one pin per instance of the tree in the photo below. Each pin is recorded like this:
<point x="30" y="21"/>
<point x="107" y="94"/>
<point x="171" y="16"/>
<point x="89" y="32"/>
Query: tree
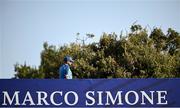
<point x="136" y="55"/>
<point x="25" y="71"/>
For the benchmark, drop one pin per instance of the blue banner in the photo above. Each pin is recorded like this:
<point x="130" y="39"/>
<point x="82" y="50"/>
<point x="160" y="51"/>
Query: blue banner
<point x="90" y="93"/>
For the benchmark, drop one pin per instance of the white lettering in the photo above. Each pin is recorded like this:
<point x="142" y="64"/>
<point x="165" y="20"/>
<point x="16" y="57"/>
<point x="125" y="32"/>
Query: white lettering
<point x="28" y="98"/>
<point x="52" y="98"/>
<point x="42" y="98"/>
<point x="161" y="96"/>
<point x="100" y="97"/>
<point x="75" y="97"/>
<point x="118" y="95"/>
<point x="6" y="96"/>
<point x="147" y="97"/>
<point x="90" y="98"/>
<point x="127" y="99"/>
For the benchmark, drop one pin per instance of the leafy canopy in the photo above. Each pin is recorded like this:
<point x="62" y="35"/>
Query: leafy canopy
<point x="139" y="54"/>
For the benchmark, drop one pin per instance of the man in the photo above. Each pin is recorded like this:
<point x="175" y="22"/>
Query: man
<point x="64" y="70"/>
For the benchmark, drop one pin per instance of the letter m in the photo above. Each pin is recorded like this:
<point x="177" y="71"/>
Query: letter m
<point x="9" y="99"/>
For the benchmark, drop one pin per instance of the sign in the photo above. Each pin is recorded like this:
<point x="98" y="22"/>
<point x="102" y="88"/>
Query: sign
<point x="90" y="93"/>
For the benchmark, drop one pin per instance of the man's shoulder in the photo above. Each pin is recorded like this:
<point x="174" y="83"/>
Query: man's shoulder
<point x="65" y="66"/>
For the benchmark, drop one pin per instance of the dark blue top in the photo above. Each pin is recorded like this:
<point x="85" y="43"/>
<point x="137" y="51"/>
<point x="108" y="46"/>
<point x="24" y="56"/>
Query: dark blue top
<point x="65" y="72"/>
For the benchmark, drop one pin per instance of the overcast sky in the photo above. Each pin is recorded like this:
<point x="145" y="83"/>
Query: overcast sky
<point x="26" y="24"/>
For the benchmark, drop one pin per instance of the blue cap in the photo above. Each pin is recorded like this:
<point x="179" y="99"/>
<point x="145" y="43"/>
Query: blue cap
<point x="68" y="58"/>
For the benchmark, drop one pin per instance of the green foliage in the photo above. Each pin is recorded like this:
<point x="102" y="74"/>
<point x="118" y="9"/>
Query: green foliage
<point x="25" y="71"/>
<point x="136" y="55"/>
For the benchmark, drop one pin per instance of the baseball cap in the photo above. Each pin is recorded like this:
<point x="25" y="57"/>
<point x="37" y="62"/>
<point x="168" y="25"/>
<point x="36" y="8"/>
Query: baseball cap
<point x="68" y="58"/>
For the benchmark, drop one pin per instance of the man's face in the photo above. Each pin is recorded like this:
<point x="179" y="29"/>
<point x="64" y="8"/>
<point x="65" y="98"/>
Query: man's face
<point x="70" y="63"/>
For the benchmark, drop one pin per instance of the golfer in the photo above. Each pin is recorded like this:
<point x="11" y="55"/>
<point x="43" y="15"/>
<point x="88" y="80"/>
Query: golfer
<point x="64" y="70"/>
